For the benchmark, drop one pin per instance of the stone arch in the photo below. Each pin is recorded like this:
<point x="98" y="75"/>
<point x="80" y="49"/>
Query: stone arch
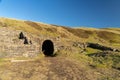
<point x="48" y="48"/>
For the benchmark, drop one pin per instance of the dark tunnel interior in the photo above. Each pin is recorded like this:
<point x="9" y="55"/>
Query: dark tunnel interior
<point x="48" y="48"/>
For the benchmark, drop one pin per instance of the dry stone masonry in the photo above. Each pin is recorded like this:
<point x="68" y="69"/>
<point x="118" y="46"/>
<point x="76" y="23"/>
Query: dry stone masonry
<point x="12" y="46"/>
<point x="17" y="43"/>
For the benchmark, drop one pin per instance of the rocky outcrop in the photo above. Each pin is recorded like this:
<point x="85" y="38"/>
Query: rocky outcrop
<point x="80" y="45"/>
<point x="100" y="54"/>
<point x="101" y="47"/>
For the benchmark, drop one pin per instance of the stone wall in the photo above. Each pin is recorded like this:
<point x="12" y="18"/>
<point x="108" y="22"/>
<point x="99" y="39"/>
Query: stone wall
<point x="101" y="47"/>
<point x="12" y="46"/>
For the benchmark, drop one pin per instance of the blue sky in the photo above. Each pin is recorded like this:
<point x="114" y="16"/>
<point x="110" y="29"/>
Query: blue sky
<point x="74" y="13"/>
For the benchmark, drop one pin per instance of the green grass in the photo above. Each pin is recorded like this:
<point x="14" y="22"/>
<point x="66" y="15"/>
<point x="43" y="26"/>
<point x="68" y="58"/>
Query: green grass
<point x="109" y="61"/>
<point x="91" y="50"/>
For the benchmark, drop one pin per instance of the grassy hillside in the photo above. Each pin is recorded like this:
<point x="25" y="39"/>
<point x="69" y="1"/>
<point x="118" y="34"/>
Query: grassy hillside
<point x="73" y="60"/>
<point x="106" y="35"/>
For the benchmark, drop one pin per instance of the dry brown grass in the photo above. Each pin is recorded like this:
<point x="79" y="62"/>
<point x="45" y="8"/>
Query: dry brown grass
<point x="109" y="36"/>
<point x="80" y="32"/>
<point x="55" y="68"/>
<point x="68" y="65"/>
<point x="33" y="24"/>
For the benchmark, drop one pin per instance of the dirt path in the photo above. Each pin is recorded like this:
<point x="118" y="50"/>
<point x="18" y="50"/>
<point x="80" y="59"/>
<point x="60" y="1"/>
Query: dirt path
<point x="49" y="68"/>
<point x="20" y="61"/>
<point x="66" y="69"/>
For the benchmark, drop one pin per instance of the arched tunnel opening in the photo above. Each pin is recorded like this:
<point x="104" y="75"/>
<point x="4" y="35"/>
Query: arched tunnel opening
<point x="48" y="48"/>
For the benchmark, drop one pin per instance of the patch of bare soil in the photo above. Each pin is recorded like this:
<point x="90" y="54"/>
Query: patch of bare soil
<point x="49" y="68"/>
<point x="66" y="69"/>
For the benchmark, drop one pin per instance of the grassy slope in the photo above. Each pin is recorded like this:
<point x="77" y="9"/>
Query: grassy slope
<point x="106" y="36"/>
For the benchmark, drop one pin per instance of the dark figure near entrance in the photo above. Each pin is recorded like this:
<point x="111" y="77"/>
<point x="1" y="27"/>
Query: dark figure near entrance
<point x="48" y="48"/>
<point x="21" y="36"/>
<point x="25" y="40"/>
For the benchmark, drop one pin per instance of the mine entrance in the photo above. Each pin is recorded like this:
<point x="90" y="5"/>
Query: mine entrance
<point x="48" y="48"/>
